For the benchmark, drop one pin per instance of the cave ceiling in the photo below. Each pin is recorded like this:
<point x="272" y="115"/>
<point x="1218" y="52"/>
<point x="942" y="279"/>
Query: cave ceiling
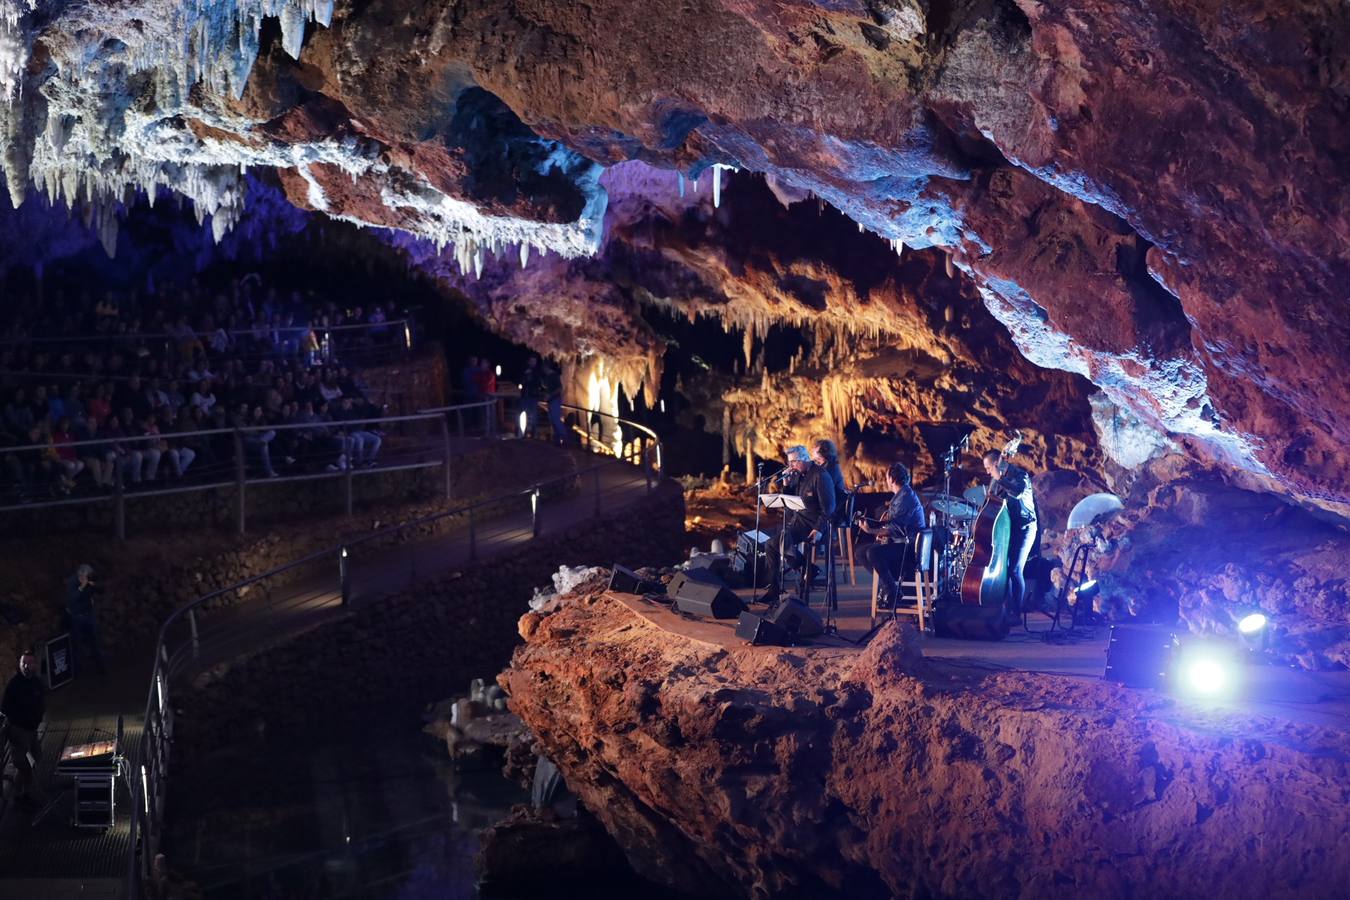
<point x="1147" y="194"/>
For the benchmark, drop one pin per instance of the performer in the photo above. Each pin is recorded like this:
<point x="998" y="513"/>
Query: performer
<point x="826" y="456"/>
<point x="892" y="556"/>
<point x="814" y="486"/>
<point x="1013" y="484"/>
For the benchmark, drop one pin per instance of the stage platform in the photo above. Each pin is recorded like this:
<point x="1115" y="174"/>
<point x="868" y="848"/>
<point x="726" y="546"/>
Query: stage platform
<point x="1315" y="698"/>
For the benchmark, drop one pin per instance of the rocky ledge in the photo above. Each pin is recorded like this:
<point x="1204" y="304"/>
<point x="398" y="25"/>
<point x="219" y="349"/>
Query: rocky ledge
<point x="759" y="772"/>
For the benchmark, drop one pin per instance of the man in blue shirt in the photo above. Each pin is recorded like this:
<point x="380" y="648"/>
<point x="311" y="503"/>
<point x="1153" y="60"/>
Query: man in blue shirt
<point x="892" y="556"/>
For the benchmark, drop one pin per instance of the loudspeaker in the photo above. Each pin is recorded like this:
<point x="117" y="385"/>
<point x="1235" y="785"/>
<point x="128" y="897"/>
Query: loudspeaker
<point x="971" y="623"/>
<point x="1139" y="655"/>
<point x="794" y="618"/>
<point x="626" y="581"/>
<point x="759" y="630"/>
<point x="701" y="593"/>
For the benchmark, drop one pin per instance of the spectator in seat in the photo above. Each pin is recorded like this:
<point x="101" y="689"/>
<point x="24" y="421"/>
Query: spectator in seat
<point x="180" y="455"/>
<point x="363" y="444"/>
<point x="99" y="407"/>
<point x="127" y="453"/>
<point x="67" y="457"/>
<point x="258" y="437"/>
<point x="203" y="397"/>
<point x="153" y="448"/>
<point x="99" y="459"/>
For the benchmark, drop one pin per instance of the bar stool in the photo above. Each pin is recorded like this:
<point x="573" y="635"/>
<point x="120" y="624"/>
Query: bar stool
<point x="921" y="590"/>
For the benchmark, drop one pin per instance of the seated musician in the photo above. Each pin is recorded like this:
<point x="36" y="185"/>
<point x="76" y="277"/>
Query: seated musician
<point x="892" y="556"/>
<point x="814" y="486"/>
<point x="1013" y="484"/>
<point x="826" y="456"/>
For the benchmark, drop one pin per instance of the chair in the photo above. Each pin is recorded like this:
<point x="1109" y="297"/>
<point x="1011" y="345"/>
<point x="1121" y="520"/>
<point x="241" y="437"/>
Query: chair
<point x="843" y="534"/>
<point x="921" y="590"/>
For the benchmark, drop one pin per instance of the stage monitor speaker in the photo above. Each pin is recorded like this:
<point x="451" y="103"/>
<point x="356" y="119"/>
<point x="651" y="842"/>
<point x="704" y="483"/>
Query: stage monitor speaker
<point x="1140" y="655"/>
<point x="971" y="623"/>
<point x="699" y="592"/>
<point x="756" y="629"/>
<point x="626" y="581"/>
<point x="797" y="620"/>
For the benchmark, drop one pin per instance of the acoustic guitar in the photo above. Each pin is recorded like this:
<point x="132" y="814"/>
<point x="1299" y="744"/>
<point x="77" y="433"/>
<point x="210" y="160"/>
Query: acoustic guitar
<point x="985" y="581"/>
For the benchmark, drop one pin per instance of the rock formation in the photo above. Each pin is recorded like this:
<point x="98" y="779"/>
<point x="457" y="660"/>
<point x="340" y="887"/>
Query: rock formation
<point x="820" y="773"/>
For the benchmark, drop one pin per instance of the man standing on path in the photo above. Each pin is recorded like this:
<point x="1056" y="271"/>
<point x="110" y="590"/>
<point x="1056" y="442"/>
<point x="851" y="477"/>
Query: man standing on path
<point x="80" y="590"/>
<point x="23" y="707"/>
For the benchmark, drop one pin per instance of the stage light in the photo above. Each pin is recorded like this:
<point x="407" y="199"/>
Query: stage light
<point x="524" y="422"/>
<point x="1086" y="592"/>
<point x="1205" y="671"/>
<point x="1252" y="623"/>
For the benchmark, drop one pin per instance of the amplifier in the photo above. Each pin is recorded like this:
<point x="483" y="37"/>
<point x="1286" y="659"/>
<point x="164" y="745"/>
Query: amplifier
<point x="699" y="592"/>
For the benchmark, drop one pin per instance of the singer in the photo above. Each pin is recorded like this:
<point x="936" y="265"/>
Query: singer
<point x="813" y="485"/>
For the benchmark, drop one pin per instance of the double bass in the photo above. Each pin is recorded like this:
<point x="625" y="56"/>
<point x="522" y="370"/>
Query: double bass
<point x="985" y="581"/>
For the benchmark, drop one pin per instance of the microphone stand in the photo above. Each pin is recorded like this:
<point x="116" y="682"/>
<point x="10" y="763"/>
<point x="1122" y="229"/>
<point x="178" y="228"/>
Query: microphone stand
<point x="755" y="551"/>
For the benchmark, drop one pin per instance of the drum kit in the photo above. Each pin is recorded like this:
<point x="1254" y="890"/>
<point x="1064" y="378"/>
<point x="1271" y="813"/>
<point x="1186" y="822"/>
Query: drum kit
<point x="952" y="517"/>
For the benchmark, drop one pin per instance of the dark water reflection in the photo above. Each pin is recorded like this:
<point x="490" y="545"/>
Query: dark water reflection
<point x="379" y="815"/>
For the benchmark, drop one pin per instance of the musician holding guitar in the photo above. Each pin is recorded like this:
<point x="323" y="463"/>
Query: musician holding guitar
<point x="892" y="556"/>
<point x="1012" y="484"/>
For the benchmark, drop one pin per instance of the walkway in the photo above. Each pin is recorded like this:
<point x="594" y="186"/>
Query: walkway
<point x="53" y="860"/>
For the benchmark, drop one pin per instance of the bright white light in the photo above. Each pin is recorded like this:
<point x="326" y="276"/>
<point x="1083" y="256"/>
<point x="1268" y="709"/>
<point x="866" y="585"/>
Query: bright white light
<point x="159" y="689"/>
<point x="1252" y="623"/>
<point x="663" y="406"/>
<point x="524" y="420"/>
<point x="1205" y="676"/>
<point x="344" y="552"/>
<point x="534" y="502"/>
<point x="145" y="791"/>
<point x="499" y="371"/>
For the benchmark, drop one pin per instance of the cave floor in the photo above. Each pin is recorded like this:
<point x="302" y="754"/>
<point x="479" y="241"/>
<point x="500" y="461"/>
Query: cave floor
<point x="1311" y="698"/>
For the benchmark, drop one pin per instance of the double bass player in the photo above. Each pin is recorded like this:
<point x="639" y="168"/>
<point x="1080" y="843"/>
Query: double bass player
<point x="1013" y="483"/>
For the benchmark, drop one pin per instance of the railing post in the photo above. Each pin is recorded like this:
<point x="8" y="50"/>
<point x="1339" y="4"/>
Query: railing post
<point x="119" y="502"/>
<point x="597" y="490"/>
<point x="445" y="442"/>
<point x="473" y="537"/>
<point x="344" y="578"/>
<point x="240" y="472"/>
<point x="347" y="479"/>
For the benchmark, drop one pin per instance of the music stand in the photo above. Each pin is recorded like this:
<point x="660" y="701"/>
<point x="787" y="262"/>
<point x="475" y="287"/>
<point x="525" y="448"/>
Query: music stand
<point x="783" y="502"/>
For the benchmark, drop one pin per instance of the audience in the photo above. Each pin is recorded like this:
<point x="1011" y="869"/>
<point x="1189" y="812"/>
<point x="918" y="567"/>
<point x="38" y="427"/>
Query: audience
<point x="136" y="374"/>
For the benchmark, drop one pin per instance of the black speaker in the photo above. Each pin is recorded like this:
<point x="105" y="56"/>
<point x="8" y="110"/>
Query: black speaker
<point x="626" y="581"/>
<point x="759" y="630"/>
<point x="796" y="619"/>
<point x="699" y="592"/>
<point x="971" y="623"/>
<point x="1140" y="655"/>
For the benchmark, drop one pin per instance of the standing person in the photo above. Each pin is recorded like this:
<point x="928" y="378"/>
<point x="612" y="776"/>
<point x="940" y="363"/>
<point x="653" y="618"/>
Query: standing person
<point x="24" y="706"/>
<point x="1013" y="484"/>
<point x="468" y="377"/>
<point x="892" y="557"/>
<point x="80" y="592"/>
<point x="553" y="391"/>
<point x="531" y="384"/>
<point x="806" y="524"/>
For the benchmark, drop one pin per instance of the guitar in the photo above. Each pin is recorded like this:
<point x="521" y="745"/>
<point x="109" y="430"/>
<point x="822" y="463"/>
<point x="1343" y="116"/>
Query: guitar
<point x="985" y="581"/>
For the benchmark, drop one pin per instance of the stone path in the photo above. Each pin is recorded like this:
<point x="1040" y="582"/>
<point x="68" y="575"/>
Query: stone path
<point x="54" y="860"/>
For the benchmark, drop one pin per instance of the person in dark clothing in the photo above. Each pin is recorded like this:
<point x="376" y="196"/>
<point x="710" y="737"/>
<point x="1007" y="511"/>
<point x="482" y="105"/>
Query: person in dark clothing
<point x="553" y="391"/>
<point x="23" y="707"/>
<point x="825" y="455"/>
<point x="531" y="390"/>
<point x="892" y="556"/>
<point x="80" y="592"/>
<point x="814" y="486"/>
<point x="1013" y="484"/>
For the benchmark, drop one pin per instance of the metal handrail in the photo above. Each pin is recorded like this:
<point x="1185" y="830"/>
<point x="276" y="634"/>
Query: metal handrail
<point x="166" y="336"/>
<point x="440" y="414"/>
<point x="148" y="791"/>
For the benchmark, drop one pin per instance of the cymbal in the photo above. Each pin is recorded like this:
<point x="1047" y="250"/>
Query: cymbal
<point x="955" y="507"/>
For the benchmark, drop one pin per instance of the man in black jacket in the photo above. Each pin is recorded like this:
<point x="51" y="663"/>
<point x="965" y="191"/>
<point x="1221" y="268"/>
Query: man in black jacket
<point x="23" y="707"/>
<point x="813" y="485"/>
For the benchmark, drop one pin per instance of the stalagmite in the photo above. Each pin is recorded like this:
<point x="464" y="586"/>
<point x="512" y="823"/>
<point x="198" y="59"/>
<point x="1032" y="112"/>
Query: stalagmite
<point x="951" y="269"/>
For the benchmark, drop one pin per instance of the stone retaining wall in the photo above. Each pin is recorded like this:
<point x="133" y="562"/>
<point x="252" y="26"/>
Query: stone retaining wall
<point x="395" y="656"/>
<point x="146" y="578"/>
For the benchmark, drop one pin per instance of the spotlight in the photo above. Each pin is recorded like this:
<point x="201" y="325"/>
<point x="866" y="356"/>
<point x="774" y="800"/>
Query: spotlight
<point x="1252" y="623"/>
<point x="1205" y="671"/>
<point x="1087" y="592"/>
